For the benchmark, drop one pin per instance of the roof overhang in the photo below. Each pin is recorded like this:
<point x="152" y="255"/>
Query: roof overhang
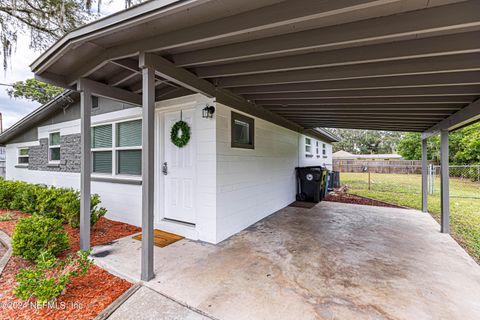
<point x="61" y="101"/>
<point x="382" y="65"/>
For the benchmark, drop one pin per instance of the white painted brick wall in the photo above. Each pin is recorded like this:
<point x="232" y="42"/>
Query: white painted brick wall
<point x="235" y="187"/>
<point x="252" y="184"/>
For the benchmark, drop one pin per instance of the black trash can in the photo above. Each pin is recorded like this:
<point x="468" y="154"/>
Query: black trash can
<point x="311" y="183"/>
<point x="334" y="180"/>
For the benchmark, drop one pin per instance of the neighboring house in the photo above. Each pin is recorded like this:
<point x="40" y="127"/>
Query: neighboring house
<point x="344" y="155"/>
<point x="2" y="162"/>
<point x="235" y="170"/>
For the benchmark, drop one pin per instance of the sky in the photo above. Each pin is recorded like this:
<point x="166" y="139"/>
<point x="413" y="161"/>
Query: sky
<point x="19" y="69"/>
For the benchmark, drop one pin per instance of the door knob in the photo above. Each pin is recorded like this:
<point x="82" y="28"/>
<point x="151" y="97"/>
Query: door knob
<point x="165" y="168"/>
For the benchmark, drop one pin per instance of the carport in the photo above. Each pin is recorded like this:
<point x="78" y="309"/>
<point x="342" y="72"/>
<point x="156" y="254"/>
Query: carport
<point x="382" y="65"/>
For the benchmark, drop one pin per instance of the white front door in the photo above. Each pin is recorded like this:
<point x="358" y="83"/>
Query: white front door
<point x="179" y="171"/>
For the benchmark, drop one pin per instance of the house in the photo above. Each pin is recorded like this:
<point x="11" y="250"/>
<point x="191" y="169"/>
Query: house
<point x="235" y="169"/>
<point x="2" y="161"/>
<point x="344" y="155"/>
<point x="268" y="72"/>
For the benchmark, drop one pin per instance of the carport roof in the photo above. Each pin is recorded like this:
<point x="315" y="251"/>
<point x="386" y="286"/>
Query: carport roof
<point x="404" y="65"/>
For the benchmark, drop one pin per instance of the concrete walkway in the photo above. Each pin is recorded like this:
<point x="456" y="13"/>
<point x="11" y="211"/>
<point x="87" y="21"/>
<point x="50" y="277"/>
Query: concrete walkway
<point x="146" y="304"/>
<point x="334" y="261"/>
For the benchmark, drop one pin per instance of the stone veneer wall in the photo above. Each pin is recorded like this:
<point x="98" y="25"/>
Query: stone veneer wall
<point x="70" y="152"/>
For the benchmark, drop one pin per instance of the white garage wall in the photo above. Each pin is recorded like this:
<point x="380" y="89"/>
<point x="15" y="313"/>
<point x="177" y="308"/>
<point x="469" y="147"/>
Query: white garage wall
<point x="315" y="159"/>
<point x="252" y="184"/>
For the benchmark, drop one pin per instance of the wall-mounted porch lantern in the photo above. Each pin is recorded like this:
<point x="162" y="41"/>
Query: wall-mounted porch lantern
<point x="208" y="112"/>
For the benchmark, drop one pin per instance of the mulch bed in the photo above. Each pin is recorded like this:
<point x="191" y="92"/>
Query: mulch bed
<point x="85" y="297"/>
<point x="344" y="197"/>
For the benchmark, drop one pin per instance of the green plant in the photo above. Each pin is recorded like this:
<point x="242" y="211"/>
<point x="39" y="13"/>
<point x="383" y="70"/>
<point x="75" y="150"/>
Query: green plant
<point x="71" y="208"/>
<point x="25" y="197"/>
<point x="37" y="233"/>
<point x="180" y="134"/>
<point x="52" y="202"/>
<point x="47" y="202"/>
<point x="49" y="278"/>
<point x="6" y="217"/>
<point x="7" y="192"/>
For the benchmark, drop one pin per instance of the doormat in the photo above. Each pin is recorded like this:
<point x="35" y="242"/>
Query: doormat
<point x="302" y="204"/>
<point x="161" y="238"/>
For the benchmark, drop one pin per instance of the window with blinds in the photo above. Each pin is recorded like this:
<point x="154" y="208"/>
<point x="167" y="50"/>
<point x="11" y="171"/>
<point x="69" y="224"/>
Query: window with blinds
<point x="129" y="134"/>
<point x="129" y="147"/>
<point x="124" y="157"/>
<point x="102" y="136"/>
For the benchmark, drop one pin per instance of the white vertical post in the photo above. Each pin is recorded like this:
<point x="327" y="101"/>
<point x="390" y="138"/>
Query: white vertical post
<point x="424" y="176"/>
<point x="148" y="114"/>
<point x="444" y="186"/>
<point x="85" y="166"/>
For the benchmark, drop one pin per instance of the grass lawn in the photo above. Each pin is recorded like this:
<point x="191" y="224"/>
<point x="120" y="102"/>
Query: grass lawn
<point x="405" y="190"/>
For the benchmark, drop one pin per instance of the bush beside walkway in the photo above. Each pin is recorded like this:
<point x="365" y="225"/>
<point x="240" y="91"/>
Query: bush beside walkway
<point x="86" y="296"/>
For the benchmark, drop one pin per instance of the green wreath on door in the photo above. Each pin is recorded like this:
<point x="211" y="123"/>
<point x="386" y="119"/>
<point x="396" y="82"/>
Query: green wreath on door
<point x="180" y="134"/>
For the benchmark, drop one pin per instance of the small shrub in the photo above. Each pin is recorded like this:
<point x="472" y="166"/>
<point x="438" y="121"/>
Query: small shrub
<point x="36" y="234"/>
<point x="58" y="203"/>
<point x="49" y="277"/>
<point x="6" y="217"/>
<point x="25" y="197"/>
<point x="7" y="192"/>
<point x="71" y="209"/>
<point x="47" y="202"/>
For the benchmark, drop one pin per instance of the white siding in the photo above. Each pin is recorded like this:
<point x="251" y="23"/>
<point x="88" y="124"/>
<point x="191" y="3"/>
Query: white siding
<point x="234" y="187"/>
<point x="252" y="184"/>
<point x="315" y="160"/>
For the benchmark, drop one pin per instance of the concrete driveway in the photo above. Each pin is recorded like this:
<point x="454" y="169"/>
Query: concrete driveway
<point x="334" y="261"/>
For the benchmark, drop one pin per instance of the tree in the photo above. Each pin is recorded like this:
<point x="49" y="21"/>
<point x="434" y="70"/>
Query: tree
<point x="469" y="145"/>
<point x="410" y="147"/>
<point x="366" y="141"/>
<point x="34" y="90"/>
<point x="464" y="146"/>
<point x="43" y="20"/>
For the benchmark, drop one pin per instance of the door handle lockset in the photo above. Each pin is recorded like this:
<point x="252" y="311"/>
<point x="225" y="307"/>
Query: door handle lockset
<point x="165" y="168"/>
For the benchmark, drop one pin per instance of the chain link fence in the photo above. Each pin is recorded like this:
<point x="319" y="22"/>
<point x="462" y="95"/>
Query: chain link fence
<point x="464" y="180"/>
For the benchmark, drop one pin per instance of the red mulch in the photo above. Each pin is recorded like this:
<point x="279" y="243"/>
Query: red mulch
<point x="344" y="197"/>
<point x="85" y="297"/>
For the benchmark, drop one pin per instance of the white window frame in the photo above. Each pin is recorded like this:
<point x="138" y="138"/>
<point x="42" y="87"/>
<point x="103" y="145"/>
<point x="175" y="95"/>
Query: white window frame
<point x="324" y="150"/>
<point x="317" y="148"/>
<point x="114" y="150"/>
<point x="19" y="155"/>
<point x="53" y="147"/>
<point x="308" y="147"/>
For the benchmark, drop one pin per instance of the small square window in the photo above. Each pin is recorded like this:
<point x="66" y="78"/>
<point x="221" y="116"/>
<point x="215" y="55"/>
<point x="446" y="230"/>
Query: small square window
<point x="94" y="102"/>
<point x="308" y="146"/>
<point x="243" y="134"/>
<point x="23" y="155"/>
<point x="54" y="147"/>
